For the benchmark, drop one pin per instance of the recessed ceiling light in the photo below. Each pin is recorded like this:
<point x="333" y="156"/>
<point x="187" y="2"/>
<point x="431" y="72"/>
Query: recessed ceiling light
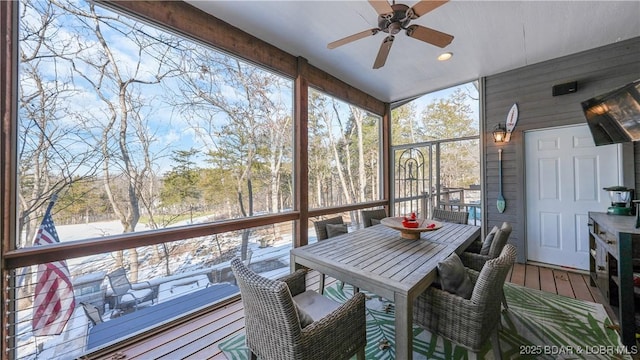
<point x="445" y="56"/>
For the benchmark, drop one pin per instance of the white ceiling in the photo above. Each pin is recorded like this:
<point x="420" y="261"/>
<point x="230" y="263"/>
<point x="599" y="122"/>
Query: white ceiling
<point x="490" y="37"/>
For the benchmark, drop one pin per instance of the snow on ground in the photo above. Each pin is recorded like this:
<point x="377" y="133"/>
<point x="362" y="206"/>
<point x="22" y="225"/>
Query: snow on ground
<point x="88" y="230"/>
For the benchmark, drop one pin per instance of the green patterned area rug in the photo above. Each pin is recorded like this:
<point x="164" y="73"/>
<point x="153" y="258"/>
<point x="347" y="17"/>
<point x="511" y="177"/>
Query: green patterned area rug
<point x="538" y="325"/>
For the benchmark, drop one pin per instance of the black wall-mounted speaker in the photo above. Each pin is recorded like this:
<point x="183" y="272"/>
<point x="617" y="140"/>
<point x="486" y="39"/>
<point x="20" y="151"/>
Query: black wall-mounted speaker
<point x="566" y="88"/>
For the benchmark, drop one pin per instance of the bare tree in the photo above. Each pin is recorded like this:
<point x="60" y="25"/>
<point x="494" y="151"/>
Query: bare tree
<point x="335" y="140"/>
<point x="234" y="114"/>
<point x="343" y="152"/>
<point x="50" y="151"/>
<point x="278" y="134"/>
<point x="49" y="138"/>
<point x="119" y="125"/>
<point x="358" y="119"/>
<point x="319" y="167"/>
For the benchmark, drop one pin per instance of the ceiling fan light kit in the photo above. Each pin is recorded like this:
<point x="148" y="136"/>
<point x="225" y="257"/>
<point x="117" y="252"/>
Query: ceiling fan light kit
<point x="445" y="56"/>
<point x="394" y="18"/>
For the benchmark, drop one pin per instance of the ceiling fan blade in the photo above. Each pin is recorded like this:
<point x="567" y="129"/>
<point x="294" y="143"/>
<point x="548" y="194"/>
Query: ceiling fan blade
<point x="429" y="35"/>
<point x="426" y="6"/>
<point x="354" y="37"/>
<point x="383" y="52"/>
<point x="382" y="6"/>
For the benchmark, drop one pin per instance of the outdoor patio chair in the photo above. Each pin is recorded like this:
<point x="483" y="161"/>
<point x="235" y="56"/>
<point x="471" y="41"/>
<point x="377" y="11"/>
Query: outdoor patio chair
<point x="321" y="227"/>
<point x="480" y="252"/>
<point x="372" y="217"/>
<point x="92" y="312"/>
<point x="322" y="233"/>
<point x="283" y="321"/>
<point x="128" y="295"/>
<point x="468" y="322"/>
<point x="458" y="217"/>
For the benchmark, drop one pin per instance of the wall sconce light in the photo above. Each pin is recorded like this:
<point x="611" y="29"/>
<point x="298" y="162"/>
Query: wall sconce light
<point x="499" y="134"/>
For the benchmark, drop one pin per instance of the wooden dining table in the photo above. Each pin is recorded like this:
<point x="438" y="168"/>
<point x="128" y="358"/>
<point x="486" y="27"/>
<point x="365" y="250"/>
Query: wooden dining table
<point x="379" y="260"/>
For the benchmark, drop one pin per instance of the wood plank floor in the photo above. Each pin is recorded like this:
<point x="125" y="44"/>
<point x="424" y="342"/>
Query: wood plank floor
<point x="199" y="339"/>
<point x="557" y="281"/>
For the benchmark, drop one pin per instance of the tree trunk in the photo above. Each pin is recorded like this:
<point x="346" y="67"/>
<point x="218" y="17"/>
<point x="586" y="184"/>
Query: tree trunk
<point x="374" y="179"/>
<point x="362" y="176"/>
<point x="167" y="267"/>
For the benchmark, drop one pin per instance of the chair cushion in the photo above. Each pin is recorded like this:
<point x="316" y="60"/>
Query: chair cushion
<point x="372" y="217"/>
<point x="315" y="305"/>
<point x="500" y="240"/>
<point x="486" y="244"/>
<point x="321" y="226"/>
<point x="336" y="229"/>
<point x="134" y="295"/>
<point x="454" y="278"/>
<point x="305" y="319"/>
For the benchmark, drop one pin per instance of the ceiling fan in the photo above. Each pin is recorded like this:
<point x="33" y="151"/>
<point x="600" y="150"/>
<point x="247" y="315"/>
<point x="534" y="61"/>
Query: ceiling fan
<point x="396" y="17"/>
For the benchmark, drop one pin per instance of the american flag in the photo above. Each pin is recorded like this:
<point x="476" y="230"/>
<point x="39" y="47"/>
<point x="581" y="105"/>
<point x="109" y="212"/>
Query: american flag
<point x="53" y="300"/>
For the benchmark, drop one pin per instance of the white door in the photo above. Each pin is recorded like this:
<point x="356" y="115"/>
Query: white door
<point x="565" y="174"/>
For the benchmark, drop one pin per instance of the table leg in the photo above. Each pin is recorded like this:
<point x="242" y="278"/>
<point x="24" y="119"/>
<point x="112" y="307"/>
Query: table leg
<point x="404" y="327"/>
<point x="321" y="284"/>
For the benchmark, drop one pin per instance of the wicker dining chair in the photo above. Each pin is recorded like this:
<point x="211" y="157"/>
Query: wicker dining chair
<point x="283" y="320"/>
<point x="372" y="217"/>
<point x="468" y="322"/>
<point x="321" y="226"/>
<point x="323" y="234"/>
<point x="474" y="258"/>
<point x="458" y="217"/>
